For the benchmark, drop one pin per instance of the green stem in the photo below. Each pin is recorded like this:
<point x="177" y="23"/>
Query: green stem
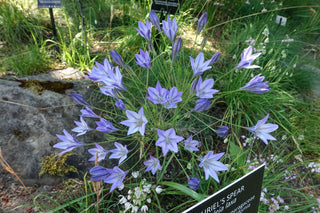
<point x="222" y="76"/>
<point x="164" y="168"/>
<point x="181" y="166"/>
<point x="229" y="92"/>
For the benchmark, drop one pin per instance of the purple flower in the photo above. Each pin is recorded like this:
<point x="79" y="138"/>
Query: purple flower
<point x="215" y="58"/>
<point x="155" y="20"/>
<point x="105" y="126"/>
<point x="203" y="89"/>
<point x="168" y="140"/>
<point x="211" y="165"/>
<point x="202" y="104"/>
<point x="120" y="152"/>
<point x="176" y="47"/>
<point x="109" y="91"/>
<point x="262" y="130"/>
<point x="107" y="75"/>
<point x="82" y="128"/>
<point x="255" y="85"/>
<point x="98" y="173"/>
<point x="202" y="22"/>
<point x="120" y="104"/>
<point x="100" y="72"/>
<point x="194" y="183"/>
<point x="79" y="99"/>
<point x="68" y="143"/>
<point x="116" y="57"/>
<point x="144" y="30"/>
<point x="191" y="145"/>
<point x="136" y="122"/>
<point x="116" y="177"/>
<point x="152" y="165"/>
<point x="157" y="95"/>
<point x="199" y="65"/>
<point x="170" y="28"/>
<point x="99" y="151"/>
<point x="247" y="58"/>
<point x="143" y="59"/>
<point x="115" y="79"/>
<point x="88" y="113"/>
<point x="222" y="131"/>
<point x="173" y="98"/>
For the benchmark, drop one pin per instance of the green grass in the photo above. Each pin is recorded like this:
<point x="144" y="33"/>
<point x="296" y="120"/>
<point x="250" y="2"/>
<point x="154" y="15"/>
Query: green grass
<point x="288" y="102"/>
<point x="31" y="60"/>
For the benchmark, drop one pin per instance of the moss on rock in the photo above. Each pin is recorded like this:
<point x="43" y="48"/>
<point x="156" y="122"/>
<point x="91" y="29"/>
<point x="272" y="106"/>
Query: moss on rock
<point x="56" y="166"/>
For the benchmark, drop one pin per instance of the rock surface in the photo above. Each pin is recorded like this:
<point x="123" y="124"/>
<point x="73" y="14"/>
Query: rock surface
<point x="32" y="116"/>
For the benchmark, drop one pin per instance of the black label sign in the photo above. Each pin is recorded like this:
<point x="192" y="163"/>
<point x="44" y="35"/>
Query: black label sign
<point x="242" y="196"/>
<point x="165" y="6"/>
<point x="49" y="4"/>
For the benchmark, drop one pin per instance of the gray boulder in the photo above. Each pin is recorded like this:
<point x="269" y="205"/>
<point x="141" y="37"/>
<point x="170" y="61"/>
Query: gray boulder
<point x="31" y="116"/>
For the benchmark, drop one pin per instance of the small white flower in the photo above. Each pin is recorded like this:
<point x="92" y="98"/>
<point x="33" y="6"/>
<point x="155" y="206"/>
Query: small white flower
<point x="129" y="192"/>
<point x="138" y="192"/>
<point x="144" y="208"/>
<point x="121" y="186"/>
<point x="127" y="206"/>
<point x="158" y="189"/>
<point x="136" y="202"/>
<point x="139" y="202"/>
<point x="144" y="196"/>
<point x="122" y="199"/>
<point x="148" y="186"/>
<point x="135" y="174"/>
<point x="135" y="209"/>
<point x="129" y="197"/>
<point x="149" y="200"/>
<point x="143" y="181"/>
<point x="147" y="190"/>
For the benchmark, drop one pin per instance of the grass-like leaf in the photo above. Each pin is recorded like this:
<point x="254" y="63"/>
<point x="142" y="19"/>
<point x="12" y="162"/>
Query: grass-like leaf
<point x="185" y="190"/>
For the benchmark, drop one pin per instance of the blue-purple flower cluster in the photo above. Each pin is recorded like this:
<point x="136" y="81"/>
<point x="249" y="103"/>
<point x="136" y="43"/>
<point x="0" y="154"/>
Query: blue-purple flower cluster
<point x="110" y="80"/>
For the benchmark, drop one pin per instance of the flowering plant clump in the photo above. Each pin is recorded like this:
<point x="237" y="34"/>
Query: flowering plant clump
<point x="276" y="203"/>
<point x="156" y="119"/>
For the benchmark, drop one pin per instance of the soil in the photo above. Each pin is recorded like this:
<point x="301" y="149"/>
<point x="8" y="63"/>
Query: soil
<point x="14" y="197"/>
<point x="13" y="194"/>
